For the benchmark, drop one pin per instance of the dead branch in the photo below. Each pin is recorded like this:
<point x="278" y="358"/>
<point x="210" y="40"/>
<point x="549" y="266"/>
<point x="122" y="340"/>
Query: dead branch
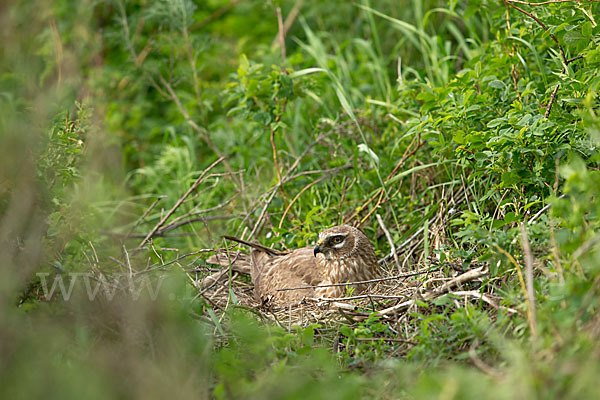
<point x="181" y="199"/>
<point x="360" y="282"/>
<point x="461" y="279"/>
<point x="389" y="239"/>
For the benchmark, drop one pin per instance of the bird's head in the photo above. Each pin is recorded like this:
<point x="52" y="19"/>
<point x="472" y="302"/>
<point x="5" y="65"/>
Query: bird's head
<point x="336" y="242"/>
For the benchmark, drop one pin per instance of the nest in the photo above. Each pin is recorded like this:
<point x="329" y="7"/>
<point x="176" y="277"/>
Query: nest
<point x="391" y="297"/>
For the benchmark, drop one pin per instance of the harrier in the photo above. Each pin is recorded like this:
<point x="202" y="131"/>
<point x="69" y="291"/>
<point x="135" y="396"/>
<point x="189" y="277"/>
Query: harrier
<point x="342" y="254"/>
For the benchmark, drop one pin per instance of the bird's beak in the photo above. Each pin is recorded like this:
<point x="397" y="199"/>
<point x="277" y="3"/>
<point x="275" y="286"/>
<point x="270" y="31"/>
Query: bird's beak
<point x="318" y="250"/>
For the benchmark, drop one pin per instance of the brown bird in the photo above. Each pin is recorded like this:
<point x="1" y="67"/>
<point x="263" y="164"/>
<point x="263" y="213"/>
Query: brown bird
<point x="342" y="254"/>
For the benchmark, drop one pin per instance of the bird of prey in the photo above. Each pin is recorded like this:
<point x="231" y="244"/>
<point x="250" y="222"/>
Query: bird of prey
<point x="342" y="254"/>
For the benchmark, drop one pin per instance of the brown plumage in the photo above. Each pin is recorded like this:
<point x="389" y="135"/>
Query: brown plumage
<point x="343" y="254"/>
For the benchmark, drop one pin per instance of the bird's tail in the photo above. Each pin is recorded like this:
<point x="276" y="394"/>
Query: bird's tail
<point x="239" y="262"/>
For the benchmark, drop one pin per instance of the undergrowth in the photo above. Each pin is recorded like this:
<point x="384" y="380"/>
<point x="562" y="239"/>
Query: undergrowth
<point x="464" y="132"/>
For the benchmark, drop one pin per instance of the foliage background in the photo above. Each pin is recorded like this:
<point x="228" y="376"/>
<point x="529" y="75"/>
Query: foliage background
<point x="107" y="105"/>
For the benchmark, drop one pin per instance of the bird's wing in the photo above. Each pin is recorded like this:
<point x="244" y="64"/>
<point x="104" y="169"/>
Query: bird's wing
<point x="305" y="266"/>
<point x="293" y="270"/>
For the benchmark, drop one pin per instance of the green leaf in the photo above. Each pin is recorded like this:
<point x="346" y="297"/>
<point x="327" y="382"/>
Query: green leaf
<point x="497" y="84"/>
<point x="496" y="122"/>
<point x="363" y="148"/>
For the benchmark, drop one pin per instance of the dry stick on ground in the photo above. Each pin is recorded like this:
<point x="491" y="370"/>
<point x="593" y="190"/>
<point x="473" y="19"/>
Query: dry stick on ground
<point x="389" y="239"/>
<point x="362" y="296"/>
<point x="181" y="199"/>
<point x="464" y="278"/>
<point x="542" y="210"/>
<point x="389" y="278"/>
<point x="483" y="297"/>
<point x="455" y="200"/>
<point x="529" y="279"/>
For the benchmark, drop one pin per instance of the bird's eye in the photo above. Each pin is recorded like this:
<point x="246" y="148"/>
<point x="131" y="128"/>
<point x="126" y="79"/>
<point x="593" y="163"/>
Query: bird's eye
<point x="337" y="239"/>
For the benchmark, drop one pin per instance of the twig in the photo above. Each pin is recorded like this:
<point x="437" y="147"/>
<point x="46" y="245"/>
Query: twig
<point x="362" y="296"/>
<point x="385" y="339"/>
<point x="375" y="207"/>
<point x="551" y="102"/>
<point x="140" y="219"/>
<point x="529" y="279"/>
<point x="181" y="199"/>
<point x="521" y="281"/>
<point x="542" y="210"/>
<point x="289" y="21"/>
<point x="466" y="277"/>
<point x="281" y="33"/>
<point x="405" y="156"/>
<point x="479" y="363"/>
<point x="287" y="178"/>
<point x="536" y="19"/>
<point x="389" y="239"/>
<point x="389" y="278"/>
<point x="463" y="278"/>
<point x="331" y="172"/>
<point x="456" y="200"/>
<point x="193" y="253"/>
<point x="484" y="298"/>
<point x="128" y="261"/>
<point x="175" y="223"/>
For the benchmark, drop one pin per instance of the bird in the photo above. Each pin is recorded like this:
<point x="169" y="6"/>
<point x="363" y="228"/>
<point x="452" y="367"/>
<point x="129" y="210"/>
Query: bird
<point x="342" y="254"/>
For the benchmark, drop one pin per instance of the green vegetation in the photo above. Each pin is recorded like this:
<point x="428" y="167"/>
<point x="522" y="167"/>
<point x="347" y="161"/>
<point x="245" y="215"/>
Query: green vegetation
<point x="465" y="131"/>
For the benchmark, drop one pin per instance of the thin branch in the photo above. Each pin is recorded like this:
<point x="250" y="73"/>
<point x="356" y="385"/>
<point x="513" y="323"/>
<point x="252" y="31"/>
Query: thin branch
<point x="289" y="21"/>
<point x="174" y="224"/>
<point x="542" y="210"/>
<point x="536" y="19"/>
<point x="201" y="251"/>
<point x="305" y="188"/>
<point x="389" y="239"/>
<point x="529" y="279"/>
<point x="389" y="278"/>
<point x="362" y="296"/>
<point x="140" y="219"/>
<point x="466" y="277"/>
<point x="287" y="178"/>
<point x="463" y="278"/>
<point x="281" y="33"/>
<point x="181" y="199"/>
